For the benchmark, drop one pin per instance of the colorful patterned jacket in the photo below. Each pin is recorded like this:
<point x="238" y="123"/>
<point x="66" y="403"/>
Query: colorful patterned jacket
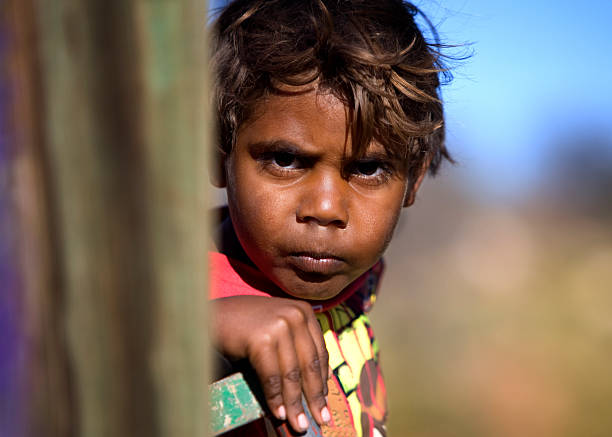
<point x="356" y="392"/>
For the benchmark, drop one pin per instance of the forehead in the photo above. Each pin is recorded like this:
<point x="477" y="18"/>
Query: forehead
<point x="307" y="116"/>
<point x="298" y="110"/>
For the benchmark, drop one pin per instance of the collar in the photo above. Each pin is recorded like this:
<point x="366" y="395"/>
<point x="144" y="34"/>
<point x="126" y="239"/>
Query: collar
<point x="230" y="277"/>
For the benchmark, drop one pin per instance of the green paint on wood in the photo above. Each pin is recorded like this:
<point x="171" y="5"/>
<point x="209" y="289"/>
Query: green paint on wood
<point x="232" y="404"/>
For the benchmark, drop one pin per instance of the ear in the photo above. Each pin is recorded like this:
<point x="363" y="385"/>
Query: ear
<point x="411" y="194"/>
<point x="217" y="173"/>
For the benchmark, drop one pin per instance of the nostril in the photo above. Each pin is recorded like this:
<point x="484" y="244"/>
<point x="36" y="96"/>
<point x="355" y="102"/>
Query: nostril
<point x="339" y="224"/>
<point x="321" y="221"/>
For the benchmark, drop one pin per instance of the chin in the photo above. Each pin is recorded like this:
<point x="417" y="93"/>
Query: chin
<point x="314" y="290"/>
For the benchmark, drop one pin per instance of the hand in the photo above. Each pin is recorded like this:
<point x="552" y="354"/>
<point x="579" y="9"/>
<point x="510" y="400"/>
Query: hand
<point x="283" y="342"/>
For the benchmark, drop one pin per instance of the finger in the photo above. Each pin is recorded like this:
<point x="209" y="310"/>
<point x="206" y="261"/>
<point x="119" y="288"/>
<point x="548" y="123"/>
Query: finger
<point x="319" y="341"/>
<point x="268" y="371"/>
<point x="291" y="383"/>
<point x="313" y="384"/>
<point x="317" y="336"/>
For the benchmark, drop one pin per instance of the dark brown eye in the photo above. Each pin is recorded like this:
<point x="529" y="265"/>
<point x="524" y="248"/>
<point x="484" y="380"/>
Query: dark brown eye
<point x="367" y="168"/>
<point x="284" y="159"/>
<point x="372" y="172"/>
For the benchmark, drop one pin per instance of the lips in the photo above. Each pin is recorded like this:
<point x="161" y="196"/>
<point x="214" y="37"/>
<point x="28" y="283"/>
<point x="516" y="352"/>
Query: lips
<point x="317" y="263"/>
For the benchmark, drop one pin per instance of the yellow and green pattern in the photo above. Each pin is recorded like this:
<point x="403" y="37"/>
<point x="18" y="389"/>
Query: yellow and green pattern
<point x="357" y="395"/>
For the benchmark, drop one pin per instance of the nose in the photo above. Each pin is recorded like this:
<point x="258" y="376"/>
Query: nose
<point x="324" y="200"/>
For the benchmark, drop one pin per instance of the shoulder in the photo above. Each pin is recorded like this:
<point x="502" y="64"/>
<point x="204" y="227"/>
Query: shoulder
<point x="230" y="277"/>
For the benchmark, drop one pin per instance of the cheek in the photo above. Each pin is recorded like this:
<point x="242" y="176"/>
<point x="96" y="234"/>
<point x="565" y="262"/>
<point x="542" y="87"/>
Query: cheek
<point x="258" y="212"/>
<point x="379" y="230"/>
<point x="379" y="220"/>
<point x="248" y="212"/>
<point x="261" y="206"/>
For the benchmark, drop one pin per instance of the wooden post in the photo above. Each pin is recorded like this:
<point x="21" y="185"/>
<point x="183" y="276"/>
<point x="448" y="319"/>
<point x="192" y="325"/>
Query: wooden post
<point x="110" y="185"/>
<point x="40" y="398"/>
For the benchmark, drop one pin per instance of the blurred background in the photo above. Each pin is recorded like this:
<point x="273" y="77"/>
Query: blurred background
<point x="495" y="316"/>
<point x="496" y="312"/>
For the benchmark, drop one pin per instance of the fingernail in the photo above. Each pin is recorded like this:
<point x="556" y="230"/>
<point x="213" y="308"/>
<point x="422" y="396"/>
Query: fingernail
<point x="325" y="415"/>
<point x="281" y="413"/>
<point x="302" y="421"/>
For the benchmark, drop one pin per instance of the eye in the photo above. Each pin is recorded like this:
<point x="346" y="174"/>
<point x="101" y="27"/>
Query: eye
<point x="284" y="159"/>
<point x="368" y="168"/>
<point x="281" y="163"/>
<point x="371" y="171"/>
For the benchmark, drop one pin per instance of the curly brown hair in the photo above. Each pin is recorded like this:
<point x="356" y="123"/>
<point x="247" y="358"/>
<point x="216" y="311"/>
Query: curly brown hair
<point x="370" y="54"/>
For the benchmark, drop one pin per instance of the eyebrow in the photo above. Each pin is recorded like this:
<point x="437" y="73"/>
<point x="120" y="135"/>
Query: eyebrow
<point x="280" y="145"/>
<point x="376" y="154"/>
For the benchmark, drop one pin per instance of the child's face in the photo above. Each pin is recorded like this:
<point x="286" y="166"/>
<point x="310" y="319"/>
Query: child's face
<point x="311" y="217"/>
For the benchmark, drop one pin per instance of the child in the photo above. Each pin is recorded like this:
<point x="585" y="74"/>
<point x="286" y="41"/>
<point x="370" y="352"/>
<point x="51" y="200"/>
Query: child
<point x="328" y="118"/>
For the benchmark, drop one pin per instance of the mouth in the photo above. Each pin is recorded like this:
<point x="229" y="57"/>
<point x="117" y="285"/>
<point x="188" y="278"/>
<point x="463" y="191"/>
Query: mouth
<point x="316" y="266"/>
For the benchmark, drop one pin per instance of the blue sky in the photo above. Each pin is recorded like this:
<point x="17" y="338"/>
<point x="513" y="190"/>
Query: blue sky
<point x="540" y="71"/>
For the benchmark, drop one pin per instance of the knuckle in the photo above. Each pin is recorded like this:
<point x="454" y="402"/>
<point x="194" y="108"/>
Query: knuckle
<point x="265" y="340"/>
<point x="272" y="385"/>
<point x="258" y="352"/>
<point x="293" y="375"/>
<point x="305" y="306"/>
<point x="281" y="326"/>
<point x="314" y="366"/>
<point x="296" y="314"/>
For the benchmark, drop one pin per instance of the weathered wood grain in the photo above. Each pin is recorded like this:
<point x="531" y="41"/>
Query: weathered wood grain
<point x="233" y="404"/>
<point x="110" y="157"/>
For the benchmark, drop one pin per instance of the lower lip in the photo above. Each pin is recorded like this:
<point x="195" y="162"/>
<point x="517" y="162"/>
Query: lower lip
<point x="319" y="266"/>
